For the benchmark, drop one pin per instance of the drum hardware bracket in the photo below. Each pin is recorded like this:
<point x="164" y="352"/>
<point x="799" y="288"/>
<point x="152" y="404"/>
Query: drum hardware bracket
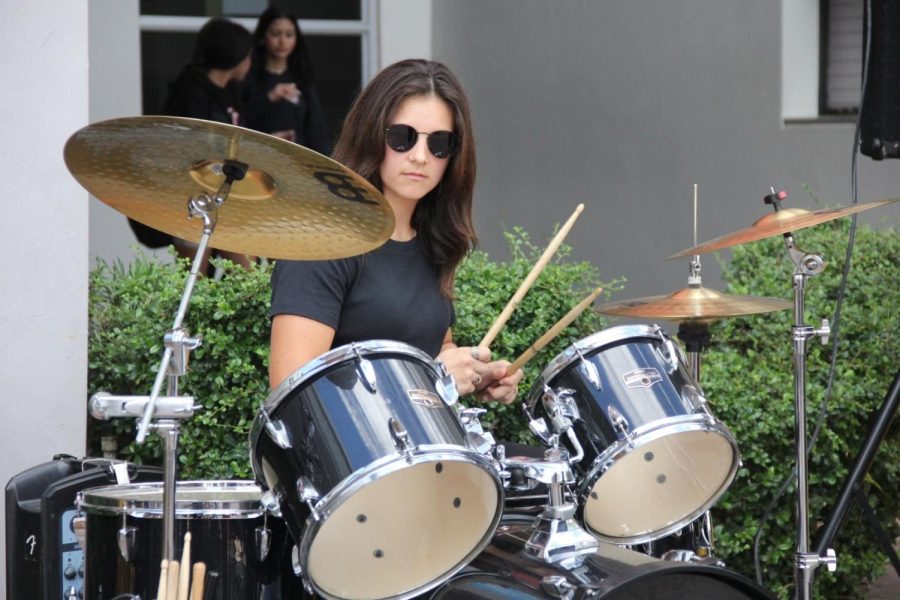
<point x="557" y="586"/>
<point x="276" y="430"/>
<point x="105" y="406"/>
<point x="307" y="493"/>
<point x="263" y="539"/>
<point x="366" y="370"/>
<point x="619" y="422"/>
<point x="671" y="356"/>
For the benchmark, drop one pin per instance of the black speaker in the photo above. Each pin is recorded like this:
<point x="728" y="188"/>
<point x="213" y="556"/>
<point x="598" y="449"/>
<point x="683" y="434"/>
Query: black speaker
<point x="880" y="116"/>
<point x="43" y="558"/>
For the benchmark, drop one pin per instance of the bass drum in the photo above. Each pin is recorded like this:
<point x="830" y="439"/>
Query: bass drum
<point x="503" y="570"/>
<point x="653" y="457"/>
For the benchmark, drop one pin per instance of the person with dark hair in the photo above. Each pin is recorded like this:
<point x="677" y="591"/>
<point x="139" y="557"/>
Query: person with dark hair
<point x="280" y="91"/>
<point x="410" y="134"/>
<point x="207" y="88"/>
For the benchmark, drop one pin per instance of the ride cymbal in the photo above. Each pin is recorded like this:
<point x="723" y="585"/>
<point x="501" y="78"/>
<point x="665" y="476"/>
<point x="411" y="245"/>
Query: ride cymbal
<point x="293" y="203"/>
<point x="783" y="221"/>
<point x="694" y="302"/>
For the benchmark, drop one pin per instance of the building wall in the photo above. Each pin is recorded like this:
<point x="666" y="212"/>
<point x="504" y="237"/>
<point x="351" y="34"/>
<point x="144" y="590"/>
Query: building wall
<point x="624" y="106"/>
<point x="44" y="239"/>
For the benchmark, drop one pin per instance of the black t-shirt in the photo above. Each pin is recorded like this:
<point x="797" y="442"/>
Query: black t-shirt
<point x="391" y="293"/>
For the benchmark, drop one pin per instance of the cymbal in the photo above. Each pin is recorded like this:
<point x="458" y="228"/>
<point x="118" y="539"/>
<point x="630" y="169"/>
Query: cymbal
<point x="783" y="221"/>
<point x="293" y="203"/>
<point x="693" y="302"/>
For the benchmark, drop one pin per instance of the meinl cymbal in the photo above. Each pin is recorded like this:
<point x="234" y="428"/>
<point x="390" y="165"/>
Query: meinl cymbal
<point x="293" y="203"/>
<point x="775" y="223"/>
<point x="693" y="302"/>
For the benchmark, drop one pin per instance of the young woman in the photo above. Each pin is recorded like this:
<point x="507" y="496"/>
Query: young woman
<point x="280" y="92"/>
<point x="410" y="134"/>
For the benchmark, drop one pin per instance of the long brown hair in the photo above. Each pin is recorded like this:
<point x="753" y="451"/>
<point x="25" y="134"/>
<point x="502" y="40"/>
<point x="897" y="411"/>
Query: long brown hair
<point x="443" y="218"/>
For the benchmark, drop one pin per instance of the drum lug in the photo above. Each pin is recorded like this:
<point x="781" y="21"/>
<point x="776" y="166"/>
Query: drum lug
<point x="400" y="437"/>
<point x="271" y="502"/>
<point x="127" y="539"/>
<point x="308" y="494"/>
<point x="298" y="570"/>
<point x="366" y="370"/>
<point x="278" y="432"/>
<point x="671" y="355"/>
<point x="539" y="428"/>
<point x="446" y="385"/>
<point x="589" y="370"/>
<point x="263" y="538"/>
<point x="619" y="422"/>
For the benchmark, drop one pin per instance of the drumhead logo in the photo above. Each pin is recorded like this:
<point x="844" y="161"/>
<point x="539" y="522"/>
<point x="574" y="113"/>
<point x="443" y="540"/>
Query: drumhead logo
<point x="641" y="378"/>
<point x="424" y="398"/>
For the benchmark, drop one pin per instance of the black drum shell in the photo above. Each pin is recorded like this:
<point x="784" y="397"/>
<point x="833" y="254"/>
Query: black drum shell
<point x="227" y="545"/>
<point x="503" y="570"/>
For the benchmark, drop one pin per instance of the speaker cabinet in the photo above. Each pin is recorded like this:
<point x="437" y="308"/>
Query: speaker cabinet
<point x="880" y="118"/>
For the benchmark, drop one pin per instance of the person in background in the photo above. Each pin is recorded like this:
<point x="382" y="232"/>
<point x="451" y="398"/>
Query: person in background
<point x="280" y="93"/>
<point x="207" y="88"/>
<point x="410" y="134"/>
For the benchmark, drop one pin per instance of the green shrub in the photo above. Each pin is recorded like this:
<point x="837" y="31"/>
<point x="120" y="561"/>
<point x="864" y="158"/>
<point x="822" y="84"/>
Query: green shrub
<point x="748" y="377"/>
<point x="131" y="308"/>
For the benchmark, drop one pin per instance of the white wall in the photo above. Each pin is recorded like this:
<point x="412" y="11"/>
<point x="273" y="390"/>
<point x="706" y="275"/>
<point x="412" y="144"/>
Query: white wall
<point x="404" y="30"/>
<point x="43" y="236"/>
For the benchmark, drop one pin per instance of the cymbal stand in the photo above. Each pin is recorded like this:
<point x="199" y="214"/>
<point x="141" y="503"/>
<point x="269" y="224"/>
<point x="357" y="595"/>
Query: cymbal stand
<point x="807" y="265"/>
<point x="178" y="344"/>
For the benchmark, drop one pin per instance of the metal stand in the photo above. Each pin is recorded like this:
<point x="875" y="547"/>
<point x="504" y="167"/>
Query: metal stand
<point x="807" y="265"/>
<point x="178" y="344"/>
<point x="855" y="477"/>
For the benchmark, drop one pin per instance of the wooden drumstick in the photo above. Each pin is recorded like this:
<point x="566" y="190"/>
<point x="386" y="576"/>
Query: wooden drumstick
<point x="172" y="585"/>
<point x="184" y="577"/>
<point x="197" y="577"/>
<point x="163" y="580"/>
<point x="530" y="278"/>
<point x="553" y="332"/>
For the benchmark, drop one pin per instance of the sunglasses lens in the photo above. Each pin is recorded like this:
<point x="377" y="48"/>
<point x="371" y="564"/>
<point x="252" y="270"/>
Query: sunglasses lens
<point x="443" y="144"/>
<point x="400" y="138"/>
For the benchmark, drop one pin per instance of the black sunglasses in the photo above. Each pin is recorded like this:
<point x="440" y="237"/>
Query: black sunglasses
<point x="402" y="138"/>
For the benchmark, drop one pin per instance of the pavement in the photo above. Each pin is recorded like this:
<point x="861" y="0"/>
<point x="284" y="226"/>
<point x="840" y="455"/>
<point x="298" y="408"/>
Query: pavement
<point x="886" y="587"/>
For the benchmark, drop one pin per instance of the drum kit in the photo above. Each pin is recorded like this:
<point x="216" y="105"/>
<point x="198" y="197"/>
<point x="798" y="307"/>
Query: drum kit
<point x="372" y="480"/>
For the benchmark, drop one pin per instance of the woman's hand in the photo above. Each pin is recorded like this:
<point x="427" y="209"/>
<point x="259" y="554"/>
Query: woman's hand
<point x="475" y="373"/>
<point x="284" y="91"/>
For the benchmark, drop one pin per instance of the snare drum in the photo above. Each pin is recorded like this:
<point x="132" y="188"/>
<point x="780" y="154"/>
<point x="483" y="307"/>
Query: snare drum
<point x="654" y="456"/>
<point x="230" y="531"/>
<point x="373" y="473"/>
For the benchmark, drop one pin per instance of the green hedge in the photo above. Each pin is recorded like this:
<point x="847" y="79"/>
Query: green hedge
<point x="746" y="374"/>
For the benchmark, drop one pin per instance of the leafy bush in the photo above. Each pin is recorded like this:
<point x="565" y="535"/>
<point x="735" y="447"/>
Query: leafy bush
<point x="131" y="308"/>
<point x="748" y="377"/>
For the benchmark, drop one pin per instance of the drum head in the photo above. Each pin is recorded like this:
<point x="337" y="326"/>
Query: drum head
<point x="405" y="530"/>
<point x="661" y="485"/>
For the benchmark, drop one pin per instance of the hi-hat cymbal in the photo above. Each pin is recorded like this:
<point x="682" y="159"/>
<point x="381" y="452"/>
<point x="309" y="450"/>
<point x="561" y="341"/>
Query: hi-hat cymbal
<point x="293" y="203"/>
<point x="783" y="221"/>
<point x="693" y="302"/>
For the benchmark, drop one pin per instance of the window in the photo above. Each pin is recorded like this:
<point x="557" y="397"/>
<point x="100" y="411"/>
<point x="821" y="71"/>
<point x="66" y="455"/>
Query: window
<point x="842" y="55"/>
<point x="339" y="35"/>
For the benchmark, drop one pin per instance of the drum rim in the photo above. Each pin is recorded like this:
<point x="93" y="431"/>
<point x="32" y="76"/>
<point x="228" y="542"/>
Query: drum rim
<point x="652" y="432"/>
<point x="391" y="464"/>
<point x="596" y="340"/>
<point x="336" y="356"/>
<point x="92" y="502"/>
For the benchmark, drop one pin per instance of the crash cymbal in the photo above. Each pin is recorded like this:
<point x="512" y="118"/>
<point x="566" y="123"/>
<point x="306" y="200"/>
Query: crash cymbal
<point x="783" y="221"/>
<point x="693" y="302"/>
<point x="293" y="203"/>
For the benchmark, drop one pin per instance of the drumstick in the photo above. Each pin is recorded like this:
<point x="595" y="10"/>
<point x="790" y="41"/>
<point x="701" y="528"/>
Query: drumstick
<point x="530" y="278"/>
<point x="163" y="580"/>
<point x="184" y="577"/>
<point x="197" y="581"/>
<point x="552" y="332"/>
<point x="172" y="586"/>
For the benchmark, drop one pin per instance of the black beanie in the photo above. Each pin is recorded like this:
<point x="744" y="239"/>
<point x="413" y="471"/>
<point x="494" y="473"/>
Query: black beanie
<point x="222" y="44"/>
